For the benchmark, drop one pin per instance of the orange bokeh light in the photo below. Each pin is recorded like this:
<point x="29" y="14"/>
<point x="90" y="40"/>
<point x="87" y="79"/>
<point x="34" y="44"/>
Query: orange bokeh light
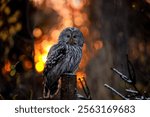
<point x="78" y="4"/>
<point x="27" y="64"/>
<point x="39" y="66"/>
<point x="37" y="32"/>
<point x="78" y="21"/>
<point x="98" y="45"/>
<point x="7" y="66"/>
<point x="55" y="34"/>
<point x="80" y="75"/>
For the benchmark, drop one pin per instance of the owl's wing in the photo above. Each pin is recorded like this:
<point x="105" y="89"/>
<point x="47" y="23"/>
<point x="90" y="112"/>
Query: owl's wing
<point x="55" y="55"/>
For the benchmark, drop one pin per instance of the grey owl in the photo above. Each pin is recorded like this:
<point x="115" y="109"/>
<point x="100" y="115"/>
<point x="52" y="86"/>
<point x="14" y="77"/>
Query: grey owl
<point x="63" y="57"/>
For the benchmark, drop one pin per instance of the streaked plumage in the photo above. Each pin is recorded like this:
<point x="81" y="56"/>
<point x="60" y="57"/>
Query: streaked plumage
<point x="64" y="57"/>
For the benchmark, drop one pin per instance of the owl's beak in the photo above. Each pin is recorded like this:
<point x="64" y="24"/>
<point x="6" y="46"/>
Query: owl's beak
<point x="71" y="41"/>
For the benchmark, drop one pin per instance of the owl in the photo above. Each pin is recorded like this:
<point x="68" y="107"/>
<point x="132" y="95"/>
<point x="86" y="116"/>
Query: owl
<point x="63" y="57"/>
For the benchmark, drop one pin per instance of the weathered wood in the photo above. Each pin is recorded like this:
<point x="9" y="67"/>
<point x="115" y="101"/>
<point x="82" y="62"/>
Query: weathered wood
<point x="68" y="87"/>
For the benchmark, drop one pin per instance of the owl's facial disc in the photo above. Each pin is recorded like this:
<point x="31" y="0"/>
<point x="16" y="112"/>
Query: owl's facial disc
<point x="71" y="36"/>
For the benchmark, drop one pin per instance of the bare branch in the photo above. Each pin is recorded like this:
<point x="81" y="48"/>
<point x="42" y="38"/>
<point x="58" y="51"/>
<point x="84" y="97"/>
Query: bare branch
<point x="132" y="91"/>
<point x="83" y="88"/>
<point x="131" y="71"/>
<point x="115" y="91"/>
<point x="87" y="89"/>
<point x="123" y="77"/>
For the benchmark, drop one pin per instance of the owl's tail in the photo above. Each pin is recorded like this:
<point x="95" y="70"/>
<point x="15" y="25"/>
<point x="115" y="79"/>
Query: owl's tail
<point x="49" y="92"/>
<point x="53" y="89"/>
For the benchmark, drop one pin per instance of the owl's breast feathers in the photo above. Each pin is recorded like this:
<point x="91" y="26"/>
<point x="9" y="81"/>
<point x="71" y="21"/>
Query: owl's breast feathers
<point x="73" y="57"/>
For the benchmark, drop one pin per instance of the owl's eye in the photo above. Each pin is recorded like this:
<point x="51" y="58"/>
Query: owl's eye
<point x="68" y="36"/>
<point x="74" y="36"/>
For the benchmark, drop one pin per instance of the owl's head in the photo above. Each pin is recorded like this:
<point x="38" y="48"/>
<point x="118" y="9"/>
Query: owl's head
<point x="71" y="36"/>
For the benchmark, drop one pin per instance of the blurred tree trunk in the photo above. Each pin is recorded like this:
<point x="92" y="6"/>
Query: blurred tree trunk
<point x="110" y="17"/>
<point x="116" y="33"/>
<point x="115" y="30"/>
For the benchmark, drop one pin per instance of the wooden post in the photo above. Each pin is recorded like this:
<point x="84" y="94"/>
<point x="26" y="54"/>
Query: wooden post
<point x="68" y="87"/>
